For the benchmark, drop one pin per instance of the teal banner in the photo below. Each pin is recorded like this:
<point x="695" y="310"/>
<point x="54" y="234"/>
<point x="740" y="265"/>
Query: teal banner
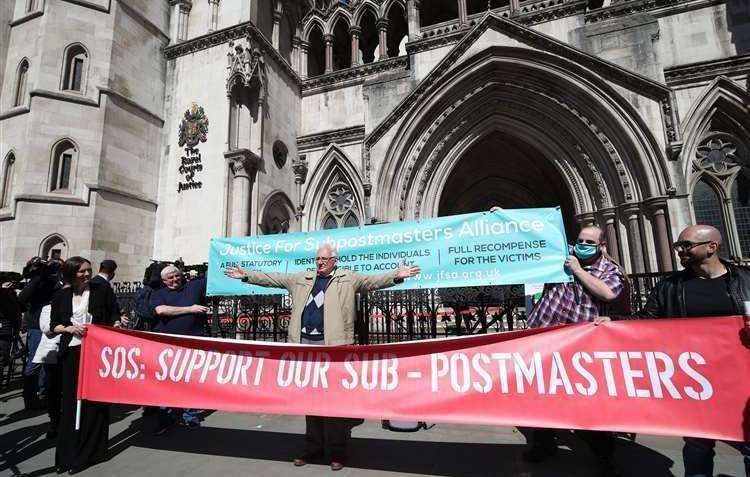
<point x="503" y="247"/>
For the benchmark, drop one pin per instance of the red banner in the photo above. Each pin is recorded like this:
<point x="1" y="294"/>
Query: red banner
<point x="687" y="377"/>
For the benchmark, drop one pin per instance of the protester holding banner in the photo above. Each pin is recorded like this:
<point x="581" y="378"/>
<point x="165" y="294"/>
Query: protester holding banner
<point x="708" y="286"/>
<point x="73" y="307"/>
<point x="324" y="312"/>
<point x="598" y="281"/>
<point x="179" y="308"/>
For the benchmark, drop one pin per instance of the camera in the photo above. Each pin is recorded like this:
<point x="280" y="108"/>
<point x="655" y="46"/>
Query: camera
<point x="40" y="267"/>
<point x="14" y="279"/>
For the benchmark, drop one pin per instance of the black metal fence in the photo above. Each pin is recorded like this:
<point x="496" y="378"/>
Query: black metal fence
<point x="387" y="316"/>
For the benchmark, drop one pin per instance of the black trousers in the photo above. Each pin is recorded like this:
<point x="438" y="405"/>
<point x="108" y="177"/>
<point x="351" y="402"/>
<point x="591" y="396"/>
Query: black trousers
<point x="77" y="450"/>
<point x="6" y="343"/>
<point x="602" y="443"/>
<point x="54" y="394"/>
<point x="326" y="433"/>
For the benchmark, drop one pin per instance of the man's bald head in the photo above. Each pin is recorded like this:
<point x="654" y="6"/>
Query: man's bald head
<point x="592" y="231"/>
<point x="701" y="233"/>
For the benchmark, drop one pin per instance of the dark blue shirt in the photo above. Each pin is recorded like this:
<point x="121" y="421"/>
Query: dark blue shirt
<point x="190" y="293"/>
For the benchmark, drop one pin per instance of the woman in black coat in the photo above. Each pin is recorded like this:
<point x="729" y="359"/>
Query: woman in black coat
<point x="73" y="307"/>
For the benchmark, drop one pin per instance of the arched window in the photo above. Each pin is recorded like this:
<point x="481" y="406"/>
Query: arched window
<point x="277" y="215"/>
<point x="19" y="95"/>
<point x="316" y="53"/>
<point x="397" y="31"/>
<point x="74" y="68"/>
<point x="7" y="183"/>
<point x="368" y="37"/>
<point x="63" y="158"/>
<point x="54" y="246"/>
<point x="708" y="210"/>
<point x="342" y="45"/>
<point x="741" y="207"/>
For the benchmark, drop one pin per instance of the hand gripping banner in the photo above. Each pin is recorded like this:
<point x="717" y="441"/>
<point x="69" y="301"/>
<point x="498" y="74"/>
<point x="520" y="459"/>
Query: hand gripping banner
<point x="504" y="247"/>
<point x="681" y="377"/>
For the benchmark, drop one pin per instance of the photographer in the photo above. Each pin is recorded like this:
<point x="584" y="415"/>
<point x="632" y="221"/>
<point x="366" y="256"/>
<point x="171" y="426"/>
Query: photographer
<point x="43" y="280"/>
<point x="10" y="322"/>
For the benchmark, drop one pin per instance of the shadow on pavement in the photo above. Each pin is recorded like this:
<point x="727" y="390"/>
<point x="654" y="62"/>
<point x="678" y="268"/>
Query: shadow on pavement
<point x="403" y="456"/>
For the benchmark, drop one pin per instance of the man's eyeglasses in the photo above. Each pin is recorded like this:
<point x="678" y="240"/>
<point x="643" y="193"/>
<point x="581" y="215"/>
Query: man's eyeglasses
<point x="324" y="259"/>
<point x="685" y="245"/>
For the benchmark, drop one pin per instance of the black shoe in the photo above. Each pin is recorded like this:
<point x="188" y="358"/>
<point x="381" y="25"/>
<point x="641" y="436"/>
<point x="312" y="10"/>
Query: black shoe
<point x="539" y="454"/>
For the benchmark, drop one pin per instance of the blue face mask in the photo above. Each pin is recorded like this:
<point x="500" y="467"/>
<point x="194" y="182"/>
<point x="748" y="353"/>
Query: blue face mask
<point x="585" y="251"/>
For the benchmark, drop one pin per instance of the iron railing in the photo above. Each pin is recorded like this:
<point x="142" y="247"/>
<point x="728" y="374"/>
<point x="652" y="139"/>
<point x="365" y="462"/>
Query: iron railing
<point x="387" y="316"/>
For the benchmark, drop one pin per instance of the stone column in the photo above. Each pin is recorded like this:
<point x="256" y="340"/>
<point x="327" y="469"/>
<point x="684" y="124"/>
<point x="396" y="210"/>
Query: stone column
<point x="462" y="12"/>
<point x="304" y="48"/>
<point x="609" y="225"/>
<point x="276" y="25"/>
<point x="515" y="6"/>
<point x="182" y="28"/>
<point x="382" y="26"/>
<point x="657" y="208"/>
<point x="328" y="38"/>
<point x="299" y="167"/>
<point x="295" y="54"/>
<point x="632" y="214"/>
<point x="213" y="20"/>
<point x="354" y="31"/>
<point x="412" y="18"/>
<point x="242" y="184"/>
<point x="585" y="219"/>
<point x="178" y="20"/>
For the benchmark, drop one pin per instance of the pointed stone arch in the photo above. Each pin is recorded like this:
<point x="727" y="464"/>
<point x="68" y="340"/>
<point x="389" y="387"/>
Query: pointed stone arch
<point x="724" y="101"/>
<point x="311" y="22"/>
<point x="338" y="14"/>
<point x="717" y="153"/>
<point x="277" y="213"/>
<point x="367" y="5"/>
<point x="52" y="245"/>
<point x="334" y="168"/>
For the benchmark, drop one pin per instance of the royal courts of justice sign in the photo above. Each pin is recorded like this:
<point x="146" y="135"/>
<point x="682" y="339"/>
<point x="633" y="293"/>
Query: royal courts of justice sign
<point x="502" y="247"/>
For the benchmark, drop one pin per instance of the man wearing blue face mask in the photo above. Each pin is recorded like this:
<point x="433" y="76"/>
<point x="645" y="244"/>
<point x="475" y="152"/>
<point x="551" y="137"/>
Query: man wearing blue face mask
<point x="598" y="281"/>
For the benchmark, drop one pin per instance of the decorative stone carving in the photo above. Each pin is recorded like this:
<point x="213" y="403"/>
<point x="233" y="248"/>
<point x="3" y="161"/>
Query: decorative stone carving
<point x="246" y="64"/>
<point x="598" y="179"/>
<point x="716" y="156"/>
<point x="300" y="168"/>
<point x="339" y="199"/>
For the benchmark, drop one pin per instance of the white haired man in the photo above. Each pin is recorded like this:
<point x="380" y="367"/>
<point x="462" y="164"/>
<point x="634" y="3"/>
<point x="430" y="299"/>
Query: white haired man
<point x="323" y="312"/>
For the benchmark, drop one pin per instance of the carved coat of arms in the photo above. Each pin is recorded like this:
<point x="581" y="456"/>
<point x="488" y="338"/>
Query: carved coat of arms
<point x="194" y="126"/>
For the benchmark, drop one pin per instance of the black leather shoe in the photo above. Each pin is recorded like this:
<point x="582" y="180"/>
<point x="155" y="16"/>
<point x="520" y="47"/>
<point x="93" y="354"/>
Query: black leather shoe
<point x="539" y="454"/>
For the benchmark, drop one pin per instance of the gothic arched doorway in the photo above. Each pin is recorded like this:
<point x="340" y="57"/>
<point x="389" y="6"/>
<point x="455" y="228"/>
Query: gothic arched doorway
<point x="505" y="171"/>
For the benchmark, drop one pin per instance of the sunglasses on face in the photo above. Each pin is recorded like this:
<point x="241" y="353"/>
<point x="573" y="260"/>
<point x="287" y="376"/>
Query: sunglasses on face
<point x="685" y="245"/>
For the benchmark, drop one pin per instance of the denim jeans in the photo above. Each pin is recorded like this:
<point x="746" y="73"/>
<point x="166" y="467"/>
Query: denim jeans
<point x="33" y="338"/>
<point x="698" y="456"/>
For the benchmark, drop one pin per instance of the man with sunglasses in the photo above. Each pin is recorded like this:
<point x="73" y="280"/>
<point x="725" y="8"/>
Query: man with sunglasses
<point x="323" y="312"/>
<point x="597" y="281"/>
<point x="708" y="286"/>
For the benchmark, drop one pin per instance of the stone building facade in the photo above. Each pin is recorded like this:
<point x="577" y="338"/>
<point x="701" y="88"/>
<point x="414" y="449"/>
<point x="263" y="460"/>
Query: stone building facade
<point x="139" y="129"/>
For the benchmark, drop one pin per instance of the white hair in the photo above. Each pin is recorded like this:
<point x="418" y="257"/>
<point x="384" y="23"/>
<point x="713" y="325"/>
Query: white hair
<point x="167" y="270"/>
<point x="330" y="246"/>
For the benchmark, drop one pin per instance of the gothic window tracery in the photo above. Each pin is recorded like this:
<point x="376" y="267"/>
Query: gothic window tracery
<point x="340" y="204"/>
<point x="721" y="192"/>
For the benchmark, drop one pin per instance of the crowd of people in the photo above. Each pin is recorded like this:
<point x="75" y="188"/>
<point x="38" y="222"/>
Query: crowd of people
<point x="60" y="298"/>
